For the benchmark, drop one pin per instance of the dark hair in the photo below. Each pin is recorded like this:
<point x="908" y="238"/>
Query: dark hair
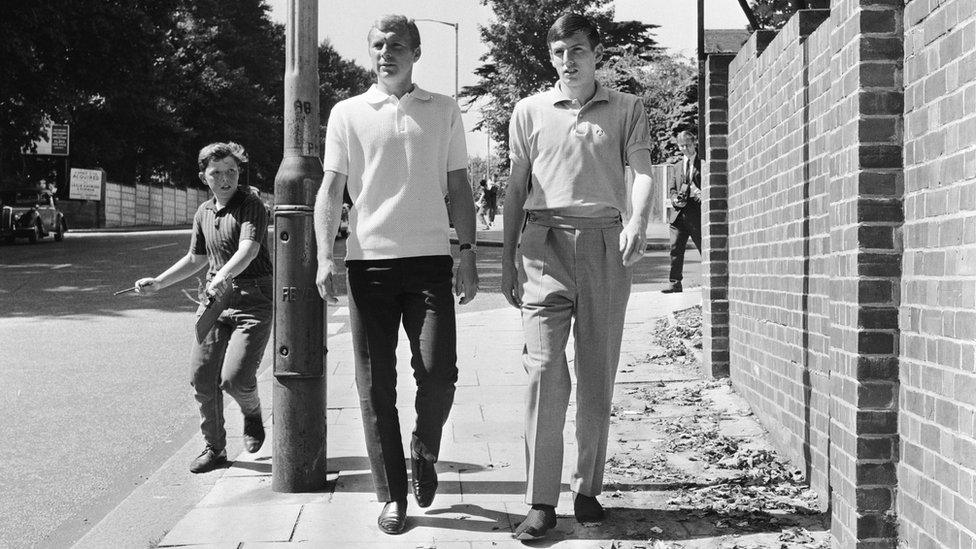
<point x="571" y="23"/>
<point x="220" y="151"/>
<point x="398" y="23"/>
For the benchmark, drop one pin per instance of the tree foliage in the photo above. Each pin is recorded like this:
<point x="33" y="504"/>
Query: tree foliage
<point x="146" y="83"/>
<point x="772" y="14"/>
<point x="668" y="87"/>
<point x="517" y="62"/>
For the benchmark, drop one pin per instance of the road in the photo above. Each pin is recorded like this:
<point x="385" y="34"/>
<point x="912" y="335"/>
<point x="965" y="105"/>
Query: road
<point x="94" y="390"/>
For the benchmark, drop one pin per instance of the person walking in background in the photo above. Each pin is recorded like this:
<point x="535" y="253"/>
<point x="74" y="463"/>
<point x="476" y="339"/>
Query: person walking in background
<point x="490" y="198"/>
<point x="481" y="204"/>
<point x="228" y="236"/>
<point x="400" y="150"/>
<point x="571" y="262"/>
<point x="684" y="190"/>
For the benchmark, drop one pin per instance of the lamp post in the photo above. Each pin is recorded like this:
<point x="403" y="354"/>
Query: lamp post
<point x="455" y="25"/>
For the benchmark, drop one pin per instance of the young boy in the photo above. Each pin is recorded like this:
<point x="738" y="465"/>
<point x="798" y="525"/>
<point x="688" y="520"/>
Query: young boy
<point x="228" y="237"/>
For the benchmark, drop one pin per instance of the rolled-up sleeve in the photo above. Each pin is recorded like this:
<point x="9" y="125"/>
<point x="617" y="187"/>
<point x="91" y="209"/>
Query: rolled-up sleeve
<point x="518" y="148"/>
<point x="638" y="132"/>
<point x="198" y="243"/>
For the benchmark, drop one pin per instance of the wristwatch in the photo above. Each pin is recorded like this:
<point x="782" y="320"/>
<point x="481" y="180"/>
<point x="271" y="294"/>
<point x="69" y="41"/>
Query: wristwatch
<point x="467" y="246"/>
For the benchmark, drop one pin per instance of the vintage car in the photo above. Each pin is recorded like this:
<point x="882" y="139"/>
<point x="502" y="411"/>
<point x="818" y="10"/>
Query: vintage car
<point x="30" y="213"/>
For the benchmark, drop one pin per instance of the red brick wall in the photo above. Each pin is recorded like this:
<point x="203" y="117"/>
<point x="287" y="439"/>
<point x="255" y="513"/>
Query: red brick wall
<point x="938" y="313"/>
<point x="814" y="260"/>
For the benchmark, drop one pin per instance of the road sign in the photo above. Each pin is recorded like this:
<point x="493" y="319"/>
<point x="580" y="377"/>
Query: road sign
<point x="85" y="184"/>
<point x="57" y="142"/>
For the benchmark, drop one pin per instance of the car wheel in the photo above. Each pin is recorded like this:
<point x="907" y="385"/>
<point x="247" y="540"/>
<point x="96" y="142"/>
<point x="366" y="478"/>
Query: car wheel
<point x="62" y="228"/>
<point x="35" y="235"/>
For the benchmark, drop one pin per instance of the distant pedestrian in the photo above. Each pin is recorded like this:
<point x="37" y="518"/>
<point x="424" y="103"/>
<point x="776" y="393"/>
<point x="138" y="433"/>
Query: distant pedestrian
<point x="684" y="190"/>
<point x="229" y="238"/>
<point x="481" y="205"/>
<point x="569" y="269"/>
<point x="490" y="197"/>
<point x="399" y="149"/>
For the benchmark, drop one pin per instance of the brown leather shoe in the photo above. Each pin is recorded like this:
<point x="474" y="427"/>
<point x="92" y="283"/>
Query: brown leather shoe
<point x="208" y="460"/>
<point x="393" y="517"/>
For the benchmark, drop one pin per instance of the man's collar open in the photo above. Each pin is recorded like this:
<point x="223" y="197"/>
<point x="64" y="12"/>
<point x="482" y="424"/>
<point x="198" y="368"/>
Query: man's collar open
<point x="557" y="95"/>
<point x="375" y="96"/>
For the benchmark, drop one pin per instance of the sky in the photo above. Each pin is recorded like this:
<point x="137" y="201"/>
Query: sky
<point x="345" y="24"/>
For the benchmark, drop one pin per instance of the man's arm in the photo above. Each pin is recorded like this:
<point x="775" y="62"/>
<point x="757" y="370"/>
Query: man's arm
<point x="462" y="211"/>
<point x="327" y="213"/>
<point x="633" y="238"/>
<point x="513" y="216"/>
<point x="183" y="268"/>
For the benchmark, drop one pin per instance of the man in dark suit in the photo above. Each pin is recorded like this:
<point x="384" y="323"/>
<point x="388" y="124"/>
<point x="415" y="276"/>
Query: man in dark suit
<point x="684" y="190"/>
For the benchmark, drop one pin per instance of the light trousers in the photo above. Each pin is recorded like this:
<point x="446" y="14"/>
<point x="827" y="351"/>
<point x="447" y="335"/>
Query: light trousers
<point x="572" y="277"/>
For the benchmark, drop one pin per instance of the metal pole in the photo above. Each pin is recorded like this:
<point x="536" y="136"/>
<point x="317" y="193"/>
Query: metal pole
<point x="701" y="80"/>
<point x="456" y="69"/>
<point x="298" y="342"/>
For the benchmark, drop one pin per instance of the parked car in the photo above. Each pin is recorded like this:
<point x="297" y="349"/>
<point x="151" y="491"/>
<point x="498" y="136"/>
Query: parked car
<point x="30" y="213"/>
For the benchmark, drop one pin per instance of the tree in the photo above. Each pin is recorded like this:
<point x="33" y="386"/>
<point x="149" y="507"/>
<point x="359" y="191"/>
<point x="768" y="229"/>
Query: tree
<point x="772" y="14"/>
<point x="517" y="62"/>
<point x="339" y="79"/>
<point x="668" y="87"/>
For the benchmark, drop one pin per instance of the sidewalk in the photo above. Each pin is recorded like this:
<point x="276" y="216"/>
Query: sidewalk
<point x="481" y="471"/>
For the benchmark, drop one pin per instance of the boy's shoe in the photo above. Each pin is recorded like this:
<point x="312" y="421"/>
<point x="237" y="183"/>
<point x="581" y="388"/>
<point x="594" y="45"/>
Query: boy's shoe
<point x="253" y="433"/>
<point x="587" y="509"/>
<point x="393" y="517"/>
<point x="537" y="523"/>
<point x="208" y="460"/>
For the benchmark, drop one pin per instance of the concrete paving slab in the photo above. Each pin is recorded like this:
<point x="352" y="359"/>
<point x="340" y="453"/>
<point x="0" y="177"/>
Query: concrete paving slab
<point x="239" y="491"/>
<point x="234" y="524"/>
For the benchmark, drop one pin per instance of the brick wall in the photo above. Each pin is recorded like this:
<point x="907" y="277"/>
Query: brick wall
<point x="937" y="318"/>
<point x="814" y="215"/>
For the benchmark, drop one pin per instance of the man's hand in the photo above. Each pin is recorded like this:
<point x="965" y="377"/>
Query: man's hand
<point x="325" y="280"/>
<point x="632" y="242"/>
<point x="511" y="288"/>
<point x="146" y="286"/>
<point x="696" y="193"/>
<point x="466" y="278"/>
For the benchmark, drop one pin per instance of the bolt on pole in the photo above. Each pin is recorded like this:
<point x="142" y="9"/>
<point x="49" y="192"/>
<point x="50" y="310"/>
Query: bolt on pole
<point x="299" y="324"/>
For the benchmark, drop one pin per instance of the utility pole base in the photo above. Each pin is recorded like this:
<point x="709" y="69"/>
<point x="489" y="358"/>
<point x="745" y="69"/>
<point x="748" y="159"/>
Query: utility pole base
<point x="299" y="435"/>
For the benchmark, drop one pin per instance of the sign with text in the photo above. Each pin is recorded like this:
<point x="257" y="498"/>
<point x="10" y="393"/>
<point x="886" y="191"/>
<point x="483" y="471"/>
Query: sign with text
<point x="85" y="184"/>
<point x="57" y="142"/>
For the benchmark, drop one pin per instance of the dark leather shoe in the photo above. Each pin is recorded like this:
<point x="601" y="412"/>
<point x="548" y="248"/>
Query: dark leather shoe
<point x="208" y="460"/>
<point x="537" y="523"/>
<point x="253" y="433"/>
<point x="588" y="509"/>
<point x="424" y="480"/>
<point x="393" y="517"/>
<point x="674" y="288"/>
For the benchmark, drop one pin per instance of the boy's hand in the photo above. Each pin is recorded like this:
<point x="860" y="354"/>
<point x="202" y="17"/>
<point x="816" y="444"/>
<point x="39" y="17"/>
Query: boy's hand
<point x="146" y="286"/>
<point x="218" y="285"/>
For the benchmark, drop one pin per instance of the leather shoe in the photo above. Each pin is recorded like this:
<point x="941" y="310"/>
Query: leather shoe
<point x="208" y="460"/>
<point x="424" y="480"/>
<point x="587" y="509"/>
<point x="253" y="433"/>
<point x="674" y="288"/>
<point x="537" y="523"/>
<point x="393" y="517"/>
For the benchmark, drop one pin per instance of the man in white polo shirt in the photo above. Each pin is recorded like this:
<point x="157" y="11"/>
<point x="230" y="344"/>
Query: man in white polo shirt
<point x="569" y="268"/>
<point x="400" y="149"/>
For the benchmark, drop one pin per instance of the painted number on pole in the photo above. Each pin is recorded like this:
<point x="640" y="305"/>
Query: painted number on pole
<point x="303" y="106"/>
<point x="291" y="294"/>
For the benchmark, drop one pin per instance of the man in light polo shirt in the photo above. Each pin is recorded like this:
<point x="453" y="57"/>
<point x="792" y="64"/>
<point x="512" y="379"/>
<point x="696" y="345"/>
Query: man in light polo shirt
<point x="569" y="146"/>
<point x="400" y="149"/>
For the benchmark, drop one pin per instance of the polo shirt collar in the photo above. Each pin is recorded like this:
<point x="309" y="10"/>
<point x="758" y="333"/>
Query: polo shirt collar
<point x="375" y="96"/>
<point x="234" y="201"/>
<point x="557" y="95"/>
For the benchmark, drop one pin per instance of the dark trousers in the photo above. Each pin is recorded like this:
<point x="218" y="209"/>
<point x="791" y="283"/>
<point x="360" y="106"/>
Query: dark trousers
<point x="229" y="356"/>
<point x="686" y="223"/>
<point x="417" y="292"/>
